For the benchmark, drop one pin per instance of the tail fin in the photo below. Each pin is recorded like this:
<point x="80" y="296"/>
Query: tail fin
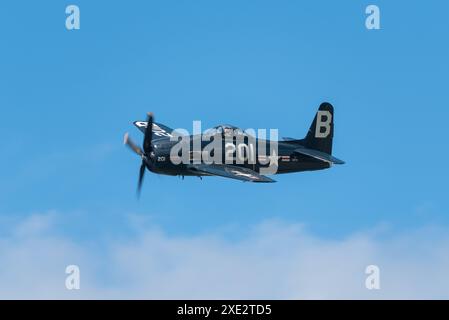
<point x="321" y="132"/>
<point x="318" y="142"/>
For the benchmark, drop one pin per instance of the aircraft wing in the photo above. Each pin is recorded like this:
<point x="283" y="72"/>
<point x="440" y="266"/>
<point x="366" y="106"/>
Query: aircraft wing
<point x="319" y="155"/>
<point x="159" y="130"/>
<point x="230" y="171"/>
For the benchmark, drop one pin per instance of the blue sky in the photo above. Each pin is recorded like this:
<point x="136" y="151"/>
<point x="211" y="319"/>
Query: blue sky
<point x="68" y="97"/>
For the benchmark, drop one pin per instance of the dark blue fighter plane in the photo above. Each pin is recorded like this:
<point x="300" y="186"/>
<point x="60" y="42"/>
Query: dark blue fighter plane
<point x="314" y="152"/>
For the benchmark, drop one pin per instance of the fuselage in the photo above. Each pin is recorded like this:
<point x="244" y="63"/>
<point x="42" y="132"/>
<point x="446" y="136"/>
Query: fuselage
<point x="254" y="154"/>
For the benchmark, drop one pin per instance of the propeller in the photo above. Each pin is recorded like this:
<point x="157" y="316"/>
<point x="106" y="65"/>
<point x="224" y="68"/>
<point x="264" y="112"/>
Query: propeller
<point x="147" y="153"/>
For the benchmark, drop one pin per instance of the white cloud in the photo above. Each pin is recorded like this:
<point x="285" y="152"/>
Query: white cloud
<point x="273" y="260"/>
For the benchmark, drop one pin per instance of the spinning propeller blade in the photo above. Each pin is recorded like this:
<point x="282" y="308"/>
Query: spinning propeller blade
<point x="146" y="153"/>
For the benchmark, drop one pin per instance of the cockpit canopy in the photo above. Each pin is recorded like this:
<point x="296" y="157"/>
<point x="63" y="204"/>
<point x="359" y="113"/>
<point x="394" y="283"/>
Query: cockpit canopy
<point x="225" y="130"/>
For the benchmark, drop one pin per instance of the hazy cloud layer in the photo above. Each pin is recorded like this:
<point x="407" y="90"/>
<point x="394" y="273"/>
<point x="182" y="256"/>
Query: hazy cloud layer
<point x="272" y="260"/>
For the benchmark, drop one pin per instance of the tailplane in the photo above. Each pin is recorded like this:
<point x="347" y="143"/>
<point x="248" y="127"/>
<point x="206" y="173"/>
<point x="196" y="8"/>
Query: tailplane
<point x="318" y="141"/>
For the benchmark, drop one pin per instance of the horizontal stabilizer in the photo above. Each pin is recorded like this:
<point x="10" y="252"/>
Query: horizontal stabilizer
<point x="319" y="155"/>
<point x="289" y="139"/>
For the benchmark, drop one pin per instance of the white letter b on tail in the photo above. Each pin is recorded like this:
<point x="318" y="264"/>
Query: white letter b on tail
<point x="323" y="120"/>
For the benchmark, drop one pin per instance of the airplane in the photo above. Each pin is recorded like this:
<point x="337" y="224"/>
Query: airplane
<point x="314" y="152"/>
